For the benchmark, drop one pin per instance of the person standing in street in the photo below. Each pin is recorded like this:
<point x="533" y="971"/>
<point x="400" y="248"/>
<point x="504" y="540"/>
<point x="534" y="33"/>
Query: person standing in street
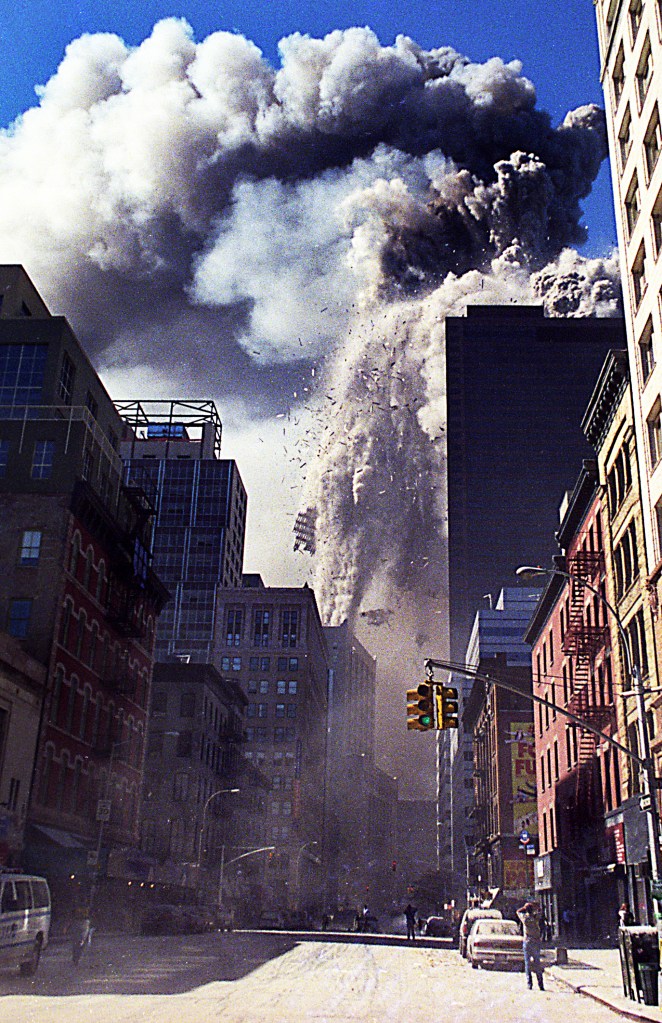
<point x="410" y="917"/>
<point x="528" y="917"/>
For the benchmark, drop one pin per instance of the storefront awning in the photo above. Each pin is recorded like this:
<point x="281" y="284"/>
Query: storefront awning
<point x="62" y="838"/>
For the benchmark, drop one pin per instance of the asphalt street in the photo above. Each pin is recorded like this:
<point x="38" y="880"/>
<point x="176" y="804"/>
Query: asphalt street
<point x="279" y="978"/>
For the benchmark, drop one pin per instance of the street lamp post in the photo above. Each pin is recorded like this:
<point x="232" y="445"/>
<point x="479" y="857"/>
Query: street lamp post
<point x="298" y="871"/>
<point x="649" y="781"/>
<point x="219" y="792"/>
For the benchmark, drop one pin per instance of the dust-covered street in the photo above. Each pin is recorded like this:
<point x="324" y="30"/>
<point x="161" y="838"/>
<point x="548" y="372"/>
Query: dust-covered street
<point x="278" y="978"/>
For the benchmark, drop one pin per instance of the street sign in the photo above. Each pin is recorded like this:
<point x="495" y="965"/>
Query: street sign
<point x="524" y="836"/>
<point x="103" y="810"/>
<point x="645" y="802"/>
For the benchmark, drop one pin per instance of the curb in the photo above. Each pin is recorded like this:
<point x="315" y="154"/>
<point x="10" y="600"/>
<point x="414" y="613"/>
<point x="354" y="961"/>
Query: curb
<point x="626" y="1013"/>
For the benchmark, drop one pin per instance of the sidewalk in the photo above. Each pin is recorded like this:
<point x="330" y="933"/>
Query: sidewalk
<point x="596" y="972"/>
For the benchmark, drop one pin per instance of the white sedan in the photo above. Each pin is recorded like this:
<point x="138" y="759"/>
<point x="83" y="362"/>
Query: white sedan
<point x="495" y="943"/>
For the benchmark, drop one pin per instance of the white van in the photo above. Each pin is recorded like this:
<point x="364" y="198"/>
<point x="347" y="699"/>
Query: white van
<point x="25" y="920"/>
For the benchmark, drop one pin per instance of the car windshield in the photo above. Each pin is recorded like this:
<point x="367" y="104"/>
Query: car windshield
<point x="497" y="927"/>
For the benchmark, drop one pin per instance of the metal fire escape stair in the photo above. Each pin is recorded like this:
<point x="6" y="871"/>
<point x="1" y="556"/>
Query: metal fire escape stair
<point x="582" y="642"/>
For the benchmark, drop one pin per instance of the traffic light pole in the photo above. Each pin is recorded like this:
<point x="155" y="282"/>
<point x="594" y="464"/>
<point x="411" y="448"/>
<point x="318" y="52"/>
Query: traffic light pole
<point x="461" y="669"/>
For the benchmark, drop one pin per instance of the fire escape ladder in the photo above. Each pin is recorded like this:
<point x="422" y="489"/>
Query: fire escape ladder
<point x="582" y="641"/>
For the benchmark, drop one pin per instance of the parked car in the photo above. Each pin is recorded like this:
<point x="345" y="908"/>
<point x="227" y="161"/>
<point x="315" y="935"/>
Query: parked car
<point x="271" y="920"/>
<point x="25" y="920"/>
<point x="170" y="918"/>
<point x="495" y="943"/>
<point x="438" y="927"/>
<point x="468" y="920"/>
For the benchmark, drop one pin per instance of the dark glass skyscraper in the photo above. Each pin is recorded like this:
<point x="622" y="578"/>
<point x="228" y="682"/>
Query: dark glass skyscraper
<point x="200" y="519"/>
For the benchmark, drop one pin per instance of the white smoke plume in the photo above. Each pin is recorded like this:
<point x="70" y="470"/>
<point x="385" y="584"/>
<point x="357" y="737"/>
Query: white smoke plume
<point x="296" y="236"/>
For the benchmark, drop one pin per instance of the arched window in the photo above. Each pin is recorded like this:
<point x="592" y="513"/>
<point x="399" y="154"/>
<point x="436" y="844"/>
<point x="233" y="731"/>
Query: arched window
<point x="75" y="554"/>
<point x="89" y="564"/>
<point x="56" y="696"/>
<point x="82" y="629"/>
<point x="101" y="581"/>
<point x="66" y="623"/>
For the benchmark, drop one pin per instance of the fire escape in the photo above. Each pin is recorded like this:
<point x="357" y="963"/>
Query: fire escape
<point x="584" y="638"/>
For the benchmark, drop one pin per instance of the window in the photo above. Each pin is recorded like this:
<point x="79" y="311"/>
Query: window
<point x="180" y="786"/>
<point x="644" y="72"/>
<point x="187" y="705"/>
<point x="236" y="663"/>
<point x="281" y="687"/>
<point x="264" y="686"/>
<point x="292" y="687"/>
<point x="185" y="744"/>
<point x="618" y="75"/>
<point x="279" y="735"/>
<point x="87" y="471"/>
<point x="280" y="710"/>
<point x="252" y="685"/>
<point x="625" y="137"/>
<point x="42" y="459"/>
<point x="262" y="710"/>
<point x="91" y="404"/>
<point x="291" y="710"/>
<point x="22" y="369"/>
<point x="4" y="457"/>
<point x="290" y="626"/>
<point x="160" y="702"/>
<point x="646" y="352"/>
<point x="653" y="142"/>
<point x="30" y="547"/>
<point x="635" y="14"/>
<point x="233" y="637"/>
<point x="261" y="619"/>
<point x="654" y="426"/>
<point x="632" y="205"/>
<point x="67" y="377"/>
<point x="639" y="276"/>
<point x="19" y="617"/>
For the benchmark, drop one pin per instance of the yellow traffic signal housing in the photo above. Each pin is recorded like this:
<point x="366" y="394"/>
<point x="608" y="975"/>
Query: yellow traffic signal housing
<point x="447" y="707"/>
<point x="421" y="708"/>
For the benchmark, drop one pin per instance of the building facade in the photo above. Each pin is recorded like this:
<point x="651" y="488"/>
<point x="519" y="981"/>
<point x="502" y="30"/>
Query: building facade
<point x="609" y="426"/>
<point x="578" y="776"/>
<point x="193" y="763"/>
<point x="172" y="451"/>
<point x="270" y="640"/>
<point x="22" y="684"/>
<point x="504" y="805"/>
<point x="77" y="592"/>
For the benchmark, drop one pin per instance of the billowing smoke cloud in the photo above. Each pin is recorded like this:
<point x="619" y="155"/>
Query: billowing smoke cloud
<point x="297" y="236"/>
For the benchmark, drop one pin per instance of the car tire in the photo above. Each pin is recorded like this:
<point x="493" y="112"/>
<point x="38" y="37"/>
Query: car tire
<point x="30" y="968"/>
<point x="474" y="963"/>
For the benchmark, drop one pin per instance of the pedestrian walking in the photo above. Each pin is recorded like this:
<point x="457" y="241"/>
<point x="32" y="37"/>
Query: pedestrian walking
<point x="410" y="917"/>
<point x="81" y="939"/>
<point x="528" y="917"/>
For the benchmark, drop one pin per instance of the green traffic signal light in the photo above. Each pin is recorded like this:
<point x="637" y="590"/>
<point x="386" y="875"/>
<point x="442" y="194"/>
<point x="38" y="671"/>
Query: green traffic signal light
<point x="421" y="708"/>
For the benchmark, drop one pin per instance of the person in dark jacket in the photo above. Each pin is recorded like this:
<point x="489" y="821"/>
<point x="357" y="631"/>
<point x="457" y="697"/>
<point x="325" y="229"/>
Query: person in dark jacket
<point x="410" y="917"/>
<point x="528" y="917"/>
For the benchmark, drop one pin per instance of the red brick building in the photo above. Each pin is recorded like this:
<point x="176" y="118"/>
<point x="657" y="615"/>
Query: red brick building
<point x="578" y="778"/>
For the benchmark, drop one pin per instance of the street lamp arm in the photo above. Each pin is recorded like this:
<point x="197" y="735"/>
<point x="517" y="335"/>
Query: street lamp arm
<point x="524" y="570"/>
<point x="251" y="852"/>
<point x="461" y="669"/>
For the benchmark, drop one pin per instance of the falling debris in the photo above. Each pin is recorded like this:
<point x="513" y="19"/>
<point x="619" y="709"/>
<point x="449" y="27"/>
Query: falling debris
<point x="304" y="531"/>
<point x="377" y="616"/>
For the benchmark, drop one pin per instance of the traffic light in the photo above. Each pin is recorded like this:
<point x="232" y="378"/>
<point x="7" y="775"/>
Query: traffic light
<point x="421" y="709"/>
<point x="447" y="707"/>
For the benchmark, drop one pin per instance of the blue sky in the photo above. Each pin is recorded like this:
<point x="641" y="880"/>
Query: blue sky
<point x="554" y="39"/>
